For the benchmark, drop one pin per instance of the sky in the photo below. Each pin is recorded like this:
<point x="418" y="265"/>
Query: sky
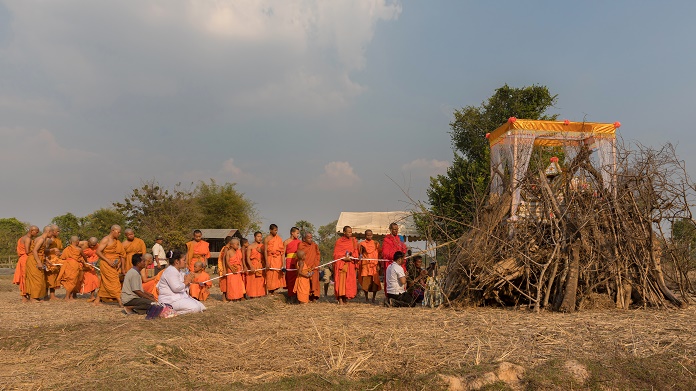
<point x="311" y="107"/>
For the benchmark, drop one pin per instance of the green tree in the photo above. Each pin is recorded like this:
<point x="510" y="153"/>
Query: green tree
<point x="326" y="239"/>
<point x="70" y="225"/>
<point x="99" y="222"/>
<point x="11" y="230"/>
<point x="454" y="197"/>
<point x="152" y="210"/>
<point x="305" y="226"/>
<point x="222" y="206"/>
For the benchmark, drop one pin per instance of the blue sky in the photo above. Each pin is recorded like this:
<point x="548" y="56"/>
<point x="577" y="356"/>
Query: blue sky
<point x="311" y="107"/>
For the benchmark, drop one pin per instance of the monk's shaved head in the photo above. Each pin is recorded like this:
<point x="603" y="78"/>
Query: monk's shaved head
<point x="92" y="241"/>
<point x="147" y="256"/>
<point x="127" y="231"/>
<point x="74" y="240"/>
<point x="115" y="227"/>
<point x="300" y="254"/>
<point x="198" y="264"/>
<point x="34" y="228"/>
<point x="47" y="229"/>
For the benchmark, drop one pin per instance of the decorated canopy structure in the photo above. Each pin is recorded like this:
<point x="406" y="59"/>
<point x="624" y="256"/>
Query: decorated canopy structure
<point x="512" y="144"/>
<point x="379" y="223"/>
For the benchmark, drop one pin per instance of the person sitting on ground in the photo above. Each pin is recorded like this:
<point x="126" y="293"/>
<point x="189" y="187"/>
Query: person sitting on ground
<point x="397" y="296"/>
<point x="134" y="299"/>
<point x="149" y="282"/>
<point x="416" y="278"/>
<point x="200" y="286"/>
<point x="173" y="286"/>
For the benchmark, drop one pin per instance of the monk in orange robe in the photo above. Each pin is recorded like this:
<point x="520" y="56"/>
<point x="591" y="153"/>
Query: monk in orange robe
<point x="255" y="282"/>
<point x="35" y="276"/>
<point x="312" y="259"/>
<point x="55" y="246"/>
<point x="302" y="282"/>
<point x="197" y="250"/>
<point x="90" y="279"/>
<point x="221" y="268"/>
<point x="369" y="266"/>
<point x="291" y="245"/>
<point x="155" y="292"/>
<point x="235" y="265"/>
<point x="148" y="282"/>
<point x="200" y="286"/>
<point x="112" y="255"/>
<point x="23" y="245"/>
<point x="72" y="269"/>
<point x="132" y="246"/>
<point x="345" y="282"/>
<point x="274" y="249"/>
<point x="390" y="245"/>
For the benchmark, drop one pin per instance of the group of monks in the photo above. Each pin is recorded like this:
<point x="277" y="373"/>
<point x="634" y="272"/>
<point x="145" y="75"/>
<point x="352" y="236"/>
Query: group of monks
<point x="246" y="270"/>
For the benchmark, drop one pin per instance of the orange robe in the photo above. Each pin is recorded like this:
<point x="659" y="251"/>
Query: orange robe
<point x="137" y="246"/>
<point x="221" y="270"/>
<point x="369" y="270"/>
<point x="196" y="291"/>
<point x="197" y="251"/>
<point x="52" y="272"/>
<point x="154" y="291"/>
<point x="70" y="275"/>
<point x="274" y="278"/>
<point x="147" y="286"/>
<point x="90" y="280"/>
<point x="345" y="282"/>
<point x="235" y="284"/>
<point x="21" y="267"/>
<point x="312" y="259"/>
<point x="109" y="284"/>
<point x="291" y="263"/>
<point x="302" y="284"/>
<point x="35" y="278"/>
<point x="255" y="282"/>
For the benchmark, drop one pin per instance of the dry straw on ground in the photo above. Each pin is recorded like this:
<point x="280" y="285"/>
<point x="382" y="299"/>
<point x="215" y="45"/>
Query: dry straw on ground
<point x="57" y="345"/>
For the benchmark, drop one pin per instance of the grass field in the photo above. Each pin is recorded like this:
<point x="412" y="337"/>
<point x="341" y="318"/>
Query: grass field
<point x="265" y="344"/>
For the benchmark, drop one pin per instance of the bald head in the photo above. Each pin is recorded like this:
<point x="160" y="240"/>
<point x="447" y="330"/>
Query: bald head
<point x="301" y="255"/>
<point x="92" y="241"/>
<point x="74" y="240"/>
<point x="33" y="231"/>
<point x="198" y="264"/>
<point x="127" y="231"/>
<point x="116" y="227"/>
<point x="48" y="229"/>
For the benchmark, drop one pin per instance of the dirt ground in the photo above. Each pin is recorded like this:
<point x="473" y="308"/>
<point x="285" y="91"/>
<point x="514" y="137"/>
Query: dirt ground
<point x="267" y="344"/>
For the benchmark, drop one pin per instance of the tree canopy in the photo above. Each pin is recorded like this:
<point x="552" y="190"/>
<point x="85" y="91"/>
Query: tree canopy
<point x="454" y="196"/>
<point x="11" y="230"/>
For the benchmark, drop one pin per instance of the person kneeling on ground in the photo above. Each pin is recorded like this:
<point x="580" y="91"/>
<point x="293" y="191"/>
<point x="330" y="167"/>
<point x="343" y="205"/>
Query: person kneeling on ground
<point x="397" y="296"/>
<point x="173" y="286"/>
<point x="134" y="299"/>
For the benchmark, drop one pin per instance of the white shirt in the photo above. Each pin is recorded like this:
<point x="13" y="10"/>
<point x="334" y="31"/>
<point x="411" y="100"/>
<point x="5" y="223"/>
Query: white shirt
<point x="159" y="254"/>
<point x="171" y="286"/>
<point x="394" y="272"/>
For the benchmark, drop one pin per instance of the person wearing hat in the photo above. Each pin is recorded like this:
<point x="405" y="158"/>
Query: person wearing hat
<point x="159" y="254"/>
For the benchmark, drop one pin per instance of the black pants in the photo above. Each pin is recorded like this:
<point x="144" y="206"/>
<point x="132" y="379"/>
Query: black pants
<point x="140" y="305"/>
<point x="402" y="300"/>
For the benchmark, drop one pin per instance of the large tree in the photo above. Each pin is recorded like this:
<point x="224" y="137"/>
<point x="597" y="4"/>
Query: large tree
<point x="454" y="196"/>
<point x="222" y="206"/>
<point x="305" y="226"/>
<point x="11" y="230"/>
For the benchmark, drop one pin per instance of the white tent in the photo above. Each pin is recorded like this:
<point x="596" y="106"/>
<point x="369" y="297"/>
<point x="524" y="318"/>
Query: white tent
<point x="379" y="223"/>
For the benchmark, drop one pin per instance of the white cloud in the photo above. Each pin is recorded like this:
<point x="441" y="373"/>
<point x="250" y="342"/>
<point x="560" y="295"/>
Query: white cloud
<point x="232" y="173"/>
<point x="425" y="168"/>
<point x="292" y="55"/>
<point x="338" y="175"/>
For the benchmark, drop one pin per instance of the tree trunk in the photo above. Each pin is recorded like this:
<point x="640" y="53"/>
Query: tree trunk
<point x="571" y="287"/>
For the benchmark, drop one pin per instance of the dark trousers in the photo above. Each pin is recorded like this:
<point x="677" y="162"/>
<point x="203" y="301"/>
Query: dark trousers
<point x="402" y="300"/>
<point x="140" y="305"/>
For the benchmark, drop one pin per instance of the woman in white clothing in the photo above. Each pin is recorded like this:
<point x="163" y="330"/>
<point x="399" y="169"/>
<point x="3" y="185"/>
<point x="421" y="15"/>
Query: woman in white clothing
<point x="173" y="286"/>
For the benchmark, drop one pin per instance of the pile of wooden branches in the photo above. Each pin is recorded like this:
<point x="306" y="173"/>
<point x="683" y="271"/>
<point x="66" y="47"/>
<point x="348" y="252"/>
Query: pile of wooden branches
<point x="577" y="239"/>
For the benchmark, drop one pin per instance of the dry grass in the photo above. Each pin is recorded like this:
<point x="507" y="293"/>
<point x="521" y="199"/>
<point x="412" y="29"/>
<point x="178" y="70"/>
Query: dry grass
<point x="265" y="343"/>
